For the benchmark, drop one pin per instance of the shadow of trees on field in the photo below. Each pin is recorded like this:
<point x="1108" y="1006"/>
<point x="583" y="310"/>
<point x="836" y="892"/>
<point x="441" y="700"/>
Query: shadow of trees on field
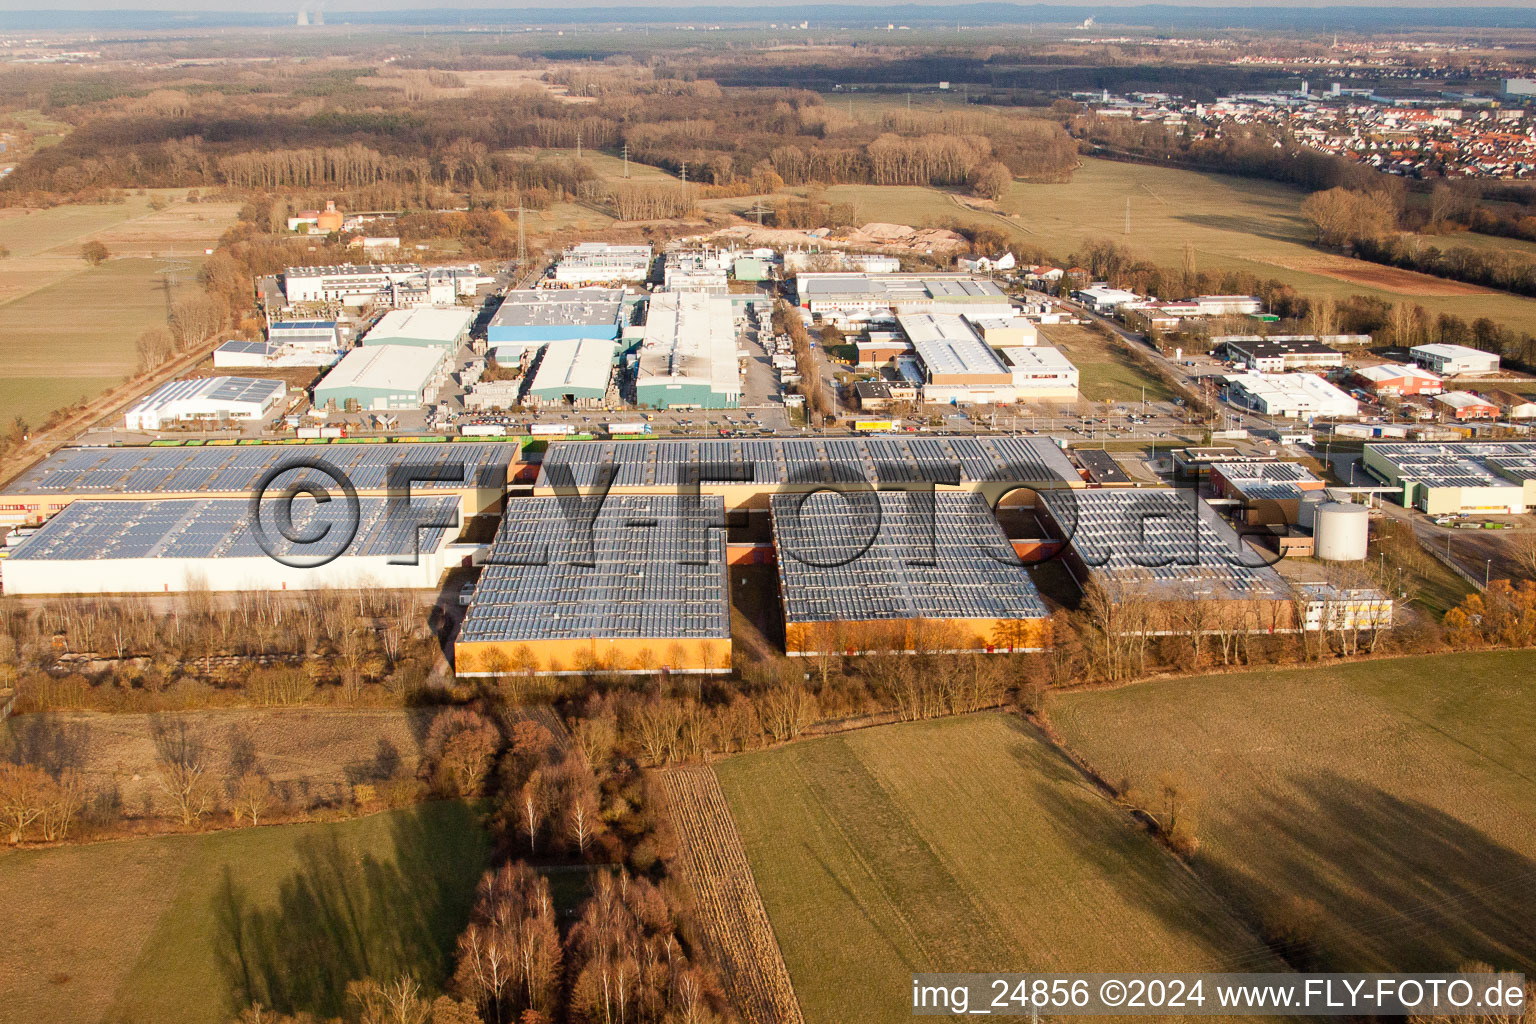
<point x="1390" y="883"/>
<point x="1333" y="873"/>
<point x="345" y="913"/>
<point x="49" y="742"/>
<point x="1118" y="854"/>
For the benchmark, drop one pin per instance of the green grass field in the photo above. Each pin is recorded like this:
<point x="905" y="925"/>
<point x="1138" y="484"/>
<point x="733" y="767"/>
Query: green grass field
<point x="1233" y="223"/>
<point x="76" y="336"/>
<point x="187" y="928"/>
<point x="966" y="844"/>
<point x="1106" y="372"/>
<point x="1399" y="796"/>
<point x="68" y="329"/>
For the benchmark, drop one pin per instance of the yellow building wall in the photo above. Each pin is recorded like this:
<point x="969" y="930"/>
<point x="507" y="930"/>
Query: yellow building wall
<point x="631" y="654"/>
<point x="853" y="637"/>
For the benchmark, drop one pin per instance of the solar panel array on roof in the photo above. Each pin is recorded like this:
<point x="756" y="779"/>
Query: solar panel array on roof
<point x="236" y="469"/>
<point x="786" y="461"/>
<point x="638" y="583"/>
<point x="1459" y="464"/>
<point x="1271" y="481"/>
<point x="221" y="528"/>
<point x="933" y="556"/>
<point x="1161" y="537"/>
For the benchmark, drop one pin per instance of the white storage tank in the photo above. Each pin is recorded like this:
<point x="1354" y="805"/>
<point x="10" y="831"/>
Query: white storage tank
<point x="1341" y="531"/>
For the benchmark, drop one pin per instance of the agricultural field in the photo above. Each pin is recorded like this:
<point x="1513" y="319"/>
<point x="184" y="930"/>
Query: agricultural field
<point x="1380" y="814"/>
<point x="187" y="928"/>
<point x="1233" y="223"/>
<point x="957" y="845"/>
<point x="1106" y="372"/>
<point x="717" y="871"/>
<point x="67" y="329"/>
<point x="315" y="754"/>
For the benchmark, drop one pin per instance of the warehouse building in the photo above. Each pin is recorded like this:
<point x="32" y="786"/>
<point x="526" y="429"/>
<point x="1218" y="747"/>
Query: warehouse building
<point x="640" y="586"/>
<point x="528" y="319"/>
<point x="444" y="329"/>
<point x="865" y="296"/>
<point x="958" y="367"/>
<point x="1464" y="406"/>
<point x="475" y="472"/>
<point x="206" y="401"/>
<point x="591" y="263"/>
<point x="172" y="545"/>
<point x="1514" y="407"/>
<point x="1453" y="360"/>
<point x="1166" y="560"/>
<point x="1281" y="355"/>
<point x="1290" y="395"/>
<point x="687" y="356"/>
<point x="1103" y="299"/>
<point x="574" y="372"/>
<point x="382" y="377"/>
<point x="1398" y="380"/>
<point x="1006" y="331"/>
<point x="1497" y="477"/>
<point x="1041" y="374"/>
<point x="747" y="472"/>
<point x="1227" y="305"/>
<point x="917" y="572"/>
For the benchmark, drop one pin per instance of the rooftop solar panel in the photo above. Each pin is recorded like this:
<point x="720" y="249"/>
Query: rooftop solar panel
<point x="238" y="469"/>
<point x="650" y="568"/>
<point x="897" y="555"/>
<point x="215" y="528"/>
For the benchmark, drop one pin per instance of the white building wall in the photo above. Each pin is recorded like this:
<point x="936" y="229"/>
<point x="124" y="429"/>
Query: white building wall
<point x="175" y="575"/>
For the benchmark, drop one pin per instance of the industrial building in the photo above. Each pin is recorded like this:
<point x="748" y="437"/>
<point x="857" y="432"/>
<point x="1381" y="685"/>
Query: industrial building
<point x="865" y="296"/>
<point x="382" y="377"/>
<point x="1398" y="380"/>
<point x="478" y="472"/>
<point x="574" y="371"/>
<point x="445" y="329"/>
<point x="696" y="270"/>
<point x="1270" y="492"/>
<point x="528" y="319"/>
<point x="592" y="263"/>
<point x="958" y="367"/>
<point x="687" y="355"/>
<point x="747" y="472"/>
<point x="1496" y="477"/>
<point x="1463" y="406"/>
<point x="1290" y="395"/>
<point x="1281" y="355"/>
<point x="1006" y="331"/>
<point x="171" y="545"/>
<point x="1041" y="374"/>
<point x="1170" y="553"/>
<point x="1453" y="360"/>
<point x="206" y="401"/>
<point x="393" y="284"/>
<point x="640" y="585"/>
<point x="1514" y="407"/>
<point x="918" y="571"/>
<point x="348" y="284"/>
<point x="833" y="260"/>
<point x="1103" y="299"/>
<point x="1226" y="305"/>
<point x="288" y="343"/>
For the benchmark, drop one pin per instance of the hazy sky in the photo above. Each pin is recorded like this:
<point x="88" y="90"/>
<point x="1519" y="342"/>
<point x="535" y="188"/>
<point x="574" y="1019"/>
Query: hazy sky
<point x="342" y="6"/>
